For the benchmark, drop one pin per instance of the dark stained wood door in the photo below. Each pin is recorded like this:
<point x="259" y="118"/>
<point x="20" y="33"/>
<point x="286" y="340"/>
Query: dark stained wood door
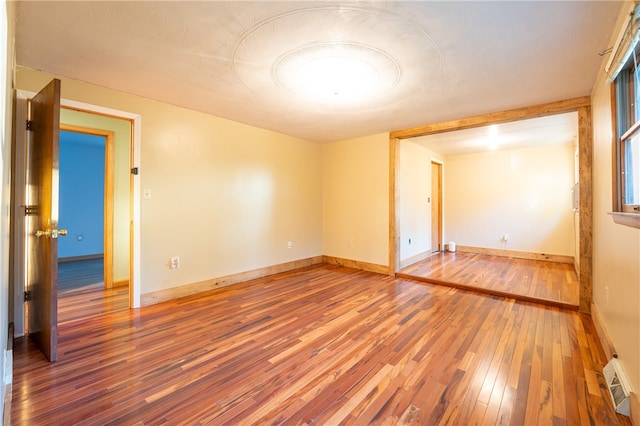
<point x="42" y="211"/>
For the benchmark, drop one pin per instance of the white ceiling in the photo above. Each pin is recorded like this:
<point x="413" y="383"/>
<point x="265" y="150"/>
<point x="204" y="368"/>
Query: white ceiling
<point x="450" y="59"/>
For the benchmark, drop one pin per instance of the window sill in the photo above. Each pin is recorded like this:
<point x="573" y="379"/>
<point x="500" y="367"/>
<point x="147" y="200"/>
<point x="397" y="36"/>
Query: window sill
<point x="627" y="219"/>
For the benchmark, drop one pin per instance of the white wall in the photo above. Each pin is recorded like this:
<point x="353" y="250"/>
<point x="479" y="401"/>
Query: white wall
<point x="525" y="193"/>
<point x="414" y="189"/>
<point x="226" y="197"/>
<point x="616" y="248"/>
<point x="355" y="220"/>
<point x="6" y="93"/>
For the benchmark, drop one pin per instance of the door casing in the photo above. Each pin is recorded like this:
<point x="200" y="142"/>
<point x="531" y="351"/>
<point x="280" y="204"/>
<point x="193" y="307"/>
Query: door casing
<point x="436" y="206"/>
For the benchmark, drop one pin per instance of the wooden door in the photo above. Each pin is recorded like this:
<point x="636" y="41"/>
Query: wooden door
<point x="42" y="211"/>
<point x="436" y="207"/>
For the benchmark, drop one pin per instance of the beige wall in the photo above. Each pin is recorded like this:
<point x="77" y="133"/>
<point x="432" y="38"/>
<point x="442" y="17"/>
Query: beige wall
<point x="616" y="248"/>
<point x="525" y="193"/>
<point x="121" y="208"/>
<point x="225" y="197"/>
<point x="355" y="219"/>
<point x="414" y="189"/>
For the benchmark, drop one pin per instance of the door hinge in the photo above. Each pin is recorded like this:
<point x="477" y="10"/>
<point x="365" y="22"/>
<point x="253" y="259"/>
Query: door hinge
<point x="27" y="296"/>
<point x="134" y="171"/>
<point x="30" y="210"/>
<point x="29" y="125"/>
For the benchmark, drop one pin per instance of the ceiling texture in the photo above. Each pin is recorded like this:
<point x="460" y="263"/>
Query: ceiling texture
<point x="432" y="61"/>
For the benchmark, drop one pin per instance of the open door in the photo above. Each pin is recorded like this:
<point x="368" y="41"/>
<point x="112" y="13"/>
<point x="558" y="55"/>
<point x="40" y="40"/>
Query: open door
<point x="42" y="223"/>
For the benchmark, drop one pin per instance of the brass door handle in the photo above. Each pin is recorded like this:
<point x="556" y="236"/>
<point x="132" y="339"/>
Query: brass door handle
<point x="53" y="233"/>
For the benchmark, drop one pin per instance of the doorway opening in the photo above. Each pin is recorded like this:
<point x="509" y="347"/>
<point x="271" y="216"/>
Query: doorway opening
<point x="94" y="259"/>
<point x="85" y="206"/>
<point x="482" y="225"/>
<point x="127" y="187"/>
<point x="86" y="211"/>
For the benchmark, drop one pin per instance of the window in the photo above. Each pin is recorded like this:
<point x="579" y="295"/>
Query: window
<point x="626" y="109"/>
<point x="627" y="143"/>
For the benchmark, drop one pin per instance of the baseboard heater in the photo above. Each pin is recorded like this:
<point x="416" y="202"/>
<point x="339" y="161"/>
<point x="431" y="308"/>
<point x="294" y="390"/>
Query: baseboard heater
<point x="618" y="387"/>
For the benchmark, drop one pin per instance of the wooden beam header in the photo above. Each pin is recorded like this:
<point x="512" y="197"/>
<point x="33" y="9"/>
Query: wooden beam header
<point x="535" y="111"/>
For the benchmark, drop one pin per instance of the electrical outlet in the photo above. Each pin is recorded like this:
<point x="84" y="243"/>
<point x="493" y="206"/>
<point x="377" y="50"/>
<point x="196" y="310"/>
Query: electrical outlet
<point x="290" y="244"/>
<point x="174" y="262"/>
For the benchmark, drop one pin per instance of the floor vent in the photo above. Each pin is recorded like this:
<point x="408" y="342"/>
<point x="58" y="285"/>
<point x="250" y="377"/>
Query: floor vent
<point x="618" y="386"/>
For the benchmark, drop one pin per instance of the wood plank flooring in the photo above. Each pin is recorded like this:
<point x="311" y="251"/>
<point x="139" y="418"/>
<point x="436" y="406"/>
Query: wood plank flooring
<point x="326" y="345"/>
<point x="551" y="283"/>
<point x="89" y="301"/>
<point x="80" y="273"/>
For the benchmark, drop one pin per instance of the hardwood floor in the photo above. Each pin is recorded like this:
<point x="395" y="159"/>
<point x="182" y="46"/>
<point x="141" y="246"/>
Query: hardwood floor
<point x="80" y="273"/>
<point x="89" y="301"/>
<point x="550" y="283"/>
<point x="326" y="345"/>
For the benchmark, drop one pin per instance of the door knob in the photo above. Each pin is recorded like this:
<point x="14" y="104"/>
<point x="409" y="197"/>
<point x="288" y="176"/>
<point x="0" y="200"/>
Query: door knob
<point x="53" y="233"/>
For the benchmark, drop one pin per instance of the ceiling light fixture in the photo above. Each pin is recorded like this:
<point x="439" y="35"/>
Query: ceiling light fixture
<point x="337" y="73"/>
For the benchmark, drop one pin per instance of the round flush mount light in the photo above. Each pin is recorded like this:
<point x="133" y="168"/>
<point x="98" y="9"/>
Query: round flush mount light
<point x="336" y="73"/>
<point x="335" y="57"/>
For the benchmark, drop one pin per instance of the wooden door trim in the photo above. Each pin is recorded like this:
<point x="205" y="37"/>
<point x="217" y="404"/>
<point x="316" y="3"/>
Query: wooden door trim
<point x="108" y="194"/>
<point x="580" y="105"/>
<point x="543" y="110"/>
<point x="439" y="197"/>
